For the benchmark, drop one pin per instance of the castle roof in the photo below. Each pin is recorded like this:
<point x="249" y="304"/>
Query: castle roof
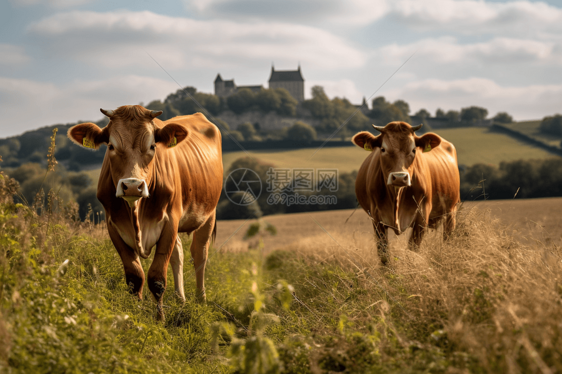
<point x="286" y="75"/>
<point x="218" y="79"/>
<point x="229" y="83"/>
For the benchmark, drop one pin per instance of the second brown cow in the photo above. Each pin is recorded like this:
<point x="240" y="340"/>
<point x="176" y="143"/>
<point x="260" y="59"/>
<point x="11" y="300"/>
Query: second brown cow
<point x="407" y="181"/>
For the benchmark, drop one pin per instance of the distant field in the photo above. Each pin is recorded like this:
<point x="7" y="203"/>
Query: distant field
<point x="526" y="219"/>
<point x="531" y="129"/>
<point x="474" y="145"/>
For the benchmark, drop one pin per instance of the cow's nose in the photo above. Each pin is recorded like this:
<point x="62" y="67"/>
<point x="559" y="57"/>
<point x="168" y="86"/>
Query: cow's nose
<point x="400" y="179"/>
<point x="131" y="189"/>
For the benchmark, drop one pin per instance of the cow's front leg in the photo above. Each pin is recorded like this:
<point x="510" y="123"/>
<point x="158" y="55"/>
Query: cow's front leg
<point x="177" y="267"/>
<point x="134" y="275"/>
<point x="199" y="252"/>
<point x="382" y="241"/>
<point x="157" y="273"/>
<point x="418" y="232"/>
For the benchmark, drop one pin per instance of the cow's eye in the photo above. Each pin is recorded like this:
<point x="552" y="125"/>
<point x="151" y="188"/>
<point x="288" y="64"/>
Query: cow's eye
<point x="414" y="151"/>
<point x="111" y="147"/>
<point x="383" y="150"/>
<point x="153" y="147"/>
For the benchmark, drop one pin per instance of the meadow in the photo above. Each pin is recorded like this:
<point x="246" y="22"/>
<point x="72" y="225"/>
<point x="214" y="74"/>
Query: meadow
<point x="482" y="302"/>
<point x="474" y="145"/>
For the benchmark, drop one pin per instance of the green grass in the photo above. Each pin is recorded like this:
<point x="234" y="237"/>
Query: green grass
<point x="481" y="145"/>
<point x="479" y="303"/>
<point x="531" y="129"/>
<point x="474" y="145"/>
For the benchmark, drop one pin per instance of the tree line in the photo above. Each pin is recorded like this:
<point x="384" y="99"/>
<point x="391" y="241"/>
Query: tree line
<point x="509" y="180"/>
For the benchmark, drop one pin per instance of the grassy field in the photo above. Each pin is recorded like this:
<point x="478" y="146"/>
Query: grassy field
<point x="482" y="302"/>
<point x="474" y="145"/>
<point x="531" y="129"/>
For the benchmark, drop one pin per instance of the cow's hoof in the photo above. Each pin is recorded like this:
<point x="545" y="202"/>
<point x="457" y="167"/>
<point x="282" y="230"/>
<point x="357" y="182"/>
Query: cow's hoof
<point x="201" y="297"/>
<point x="160" y="313"/>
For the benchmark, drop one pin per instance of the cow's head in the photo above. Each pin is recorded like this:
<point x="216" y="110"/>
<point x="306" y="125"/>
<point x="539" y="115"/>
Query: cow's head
<point x="398" y="146"/>
<point x="132" y="142"/>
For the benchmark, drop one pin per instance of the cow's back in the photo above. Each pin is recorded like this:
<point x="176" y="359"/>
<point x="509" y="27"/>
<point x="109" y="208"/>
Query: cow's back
<point x="195" y="164"/>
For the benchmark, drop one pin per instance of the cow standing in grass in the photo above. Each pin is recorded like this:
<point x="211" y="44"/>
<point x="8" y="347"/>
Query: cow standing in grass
<point x="407" y="181"/>
<point x="157" y="179"/>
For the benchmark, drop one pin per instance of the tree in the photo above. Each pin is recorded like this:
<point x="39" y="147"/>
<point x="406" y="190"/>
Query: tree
<point x="248" y="131"/>
<point x="403" y="106"/>
<point x="320" y="105"/>
<point x="453" y="115"/>
<point x="268" y="100"/>
<point x="439" y="113"/>
<point x="423" y="113"/>
<point x="503" y="117"/>
<point x="301" y="131"/>
<point x="288" y="105"/>
<point x="241" y="101"/>
<point x="550" y="125"/>
<point x="473" y="113"/>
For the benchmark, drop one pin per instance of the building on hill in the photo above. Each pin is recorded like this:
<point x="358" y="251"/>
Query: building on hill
<point x="363" y="107"/>
<point x="291" y="80"/>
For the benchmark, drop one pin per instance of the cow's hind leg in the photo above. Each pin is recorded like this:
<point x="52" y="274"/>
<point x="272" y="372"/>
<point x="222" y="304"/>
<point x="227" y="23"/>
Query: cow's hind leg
<point x="449" y="224"/>
<point x="199" y="251"/>
<point x="177" y="268"/>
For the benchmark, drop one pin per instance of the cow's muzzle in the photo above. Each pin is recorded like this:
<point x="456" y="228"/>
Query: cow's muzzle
<point x="131" y="189"/>
<point x="399" y="179"/>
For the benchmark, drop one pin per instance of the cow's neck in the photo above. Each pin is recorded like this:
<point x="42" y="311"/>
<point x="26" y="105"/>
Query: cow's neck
<point x="395" y="195"/>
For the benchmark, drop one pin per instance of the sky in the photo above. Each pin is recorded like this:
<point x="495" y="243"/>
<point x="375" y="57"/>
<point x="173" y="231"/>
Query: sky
<point x="62" y="60"/>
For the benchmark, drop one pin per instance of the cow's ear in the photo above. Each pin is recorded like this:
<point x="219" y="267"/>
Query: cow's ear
<point x="428" y="141"/>
<point x="366" y="140"/>
<point x="171" y="135"/>
<point x="88" y="135"/>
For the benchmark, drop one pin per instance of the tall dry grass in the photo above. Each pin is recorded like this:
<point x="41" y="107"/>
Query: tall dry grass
<point x="482" y="297"/>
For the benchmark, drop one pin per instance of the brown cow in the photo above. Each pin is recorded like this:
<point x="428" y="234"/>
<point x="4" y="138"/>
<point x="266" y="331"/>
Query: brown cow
<point x="157" y="179"/>
<point x="407" y="181"/>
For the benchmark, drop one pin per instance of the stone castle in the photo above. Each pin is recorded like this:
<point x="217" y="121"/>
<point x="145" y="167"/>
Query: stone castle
<point x="291" y="80"/>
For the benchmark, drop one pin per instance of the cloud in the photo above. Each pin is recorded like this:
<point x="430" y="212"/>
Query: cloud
<point x="473" y="17"/>
<point x="498" y="50"/>
<point x="311" y="11"/>
<point x="523" y="102"/>
<point x="120" y="39"/>
<point x="12" y="55"/>
<point x="51" y="3"/>
<point x="27" y="104"/>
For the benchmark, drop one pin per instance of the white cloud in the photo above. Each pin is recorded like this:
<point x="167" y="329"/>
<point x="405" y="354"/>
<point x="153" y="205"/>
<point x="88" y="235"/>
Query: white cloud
<point x="120" y="39"/>
<point x="471" y="17"/>
<point x="27" y="104"/>
<point x="51" y="3"/>
<point x="351" y="12"/>
<point x="340" y="88"/>
<point x="523" y="102"/>
<point x="12" y="55"/>
<point x="459" y="16"/>
<point x="501" y="50"/>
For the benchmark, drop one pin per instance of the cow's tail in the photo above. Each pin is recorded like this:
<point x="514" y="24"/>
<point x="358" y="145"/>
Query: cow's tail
<point x="138" y="234"/>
